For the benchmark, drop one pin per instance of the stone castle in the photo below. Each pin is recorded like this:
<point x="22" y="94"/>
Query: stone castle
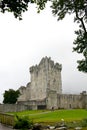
<point x="45" y="89"/>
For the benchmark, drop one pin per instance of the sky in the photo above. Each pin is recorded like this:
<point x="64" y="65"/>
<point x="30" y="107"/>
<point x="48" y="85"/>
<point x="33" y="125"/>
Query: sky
<point x="24" y="43"/>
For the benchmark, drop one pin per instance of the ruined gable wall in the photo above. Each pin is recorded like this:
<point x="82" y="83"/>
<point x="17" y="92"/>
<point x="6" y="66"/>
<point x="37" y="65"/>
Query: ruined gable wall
<point x="22" y="96"/>
<point x="28" y="91"/>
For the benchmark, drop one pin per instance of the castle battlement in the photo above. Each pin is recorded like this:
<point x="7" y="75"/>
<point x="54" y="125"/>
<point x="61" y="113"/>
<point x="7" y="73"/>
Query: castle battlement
<point x="46" y="62"/>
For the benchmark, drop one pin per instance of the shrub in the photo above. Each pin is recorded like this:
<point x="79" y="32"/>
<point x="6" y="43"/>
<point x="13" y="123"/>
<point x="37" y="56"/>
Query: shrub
<point x="84" y="122"/>
<point x="23" y="123"/>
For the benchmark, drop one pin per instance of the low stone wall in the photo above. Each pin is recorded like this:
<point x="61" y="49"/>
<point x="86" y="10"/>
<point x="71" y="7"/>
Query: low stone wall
<point x="7" y="119"/>
<point x="12" y="107"/>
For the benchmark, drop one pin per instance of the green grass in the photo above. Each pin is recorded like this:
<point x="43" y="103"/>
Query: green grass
<point x="22" y="113"/>
<point x="54" y="116"/>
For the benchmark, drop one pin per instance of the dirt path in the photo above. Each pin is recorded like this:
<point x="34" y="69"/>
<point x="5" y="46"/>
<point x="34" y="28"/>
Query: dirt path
<point x="3" y="127"/>
<point x="39" y="113"/>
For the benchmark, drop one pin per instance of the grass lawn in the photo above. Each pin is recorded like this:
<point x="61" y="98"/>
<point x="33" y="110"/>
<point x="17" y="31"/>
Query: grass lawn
<point x="45" y="116"/>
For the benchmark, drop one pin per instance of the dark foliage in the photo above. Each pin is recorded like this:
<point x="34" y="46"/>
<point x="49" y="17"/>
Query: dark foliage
<point x="15" y="6"/>
<point x="11" y="96"/>
<point x="23" y="123"/>
<point x="84" y="122"/>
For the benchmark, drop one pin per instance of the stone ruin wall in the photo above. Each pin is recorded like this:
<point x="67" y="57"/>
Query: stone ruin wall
<point x="45" y="91"/>
<point x="25" y="93"/>
<point x="58" y="101"/>
<point x="12" y="108"/>
<point x="22" y="96"/>
<point x="52" y="100"/>
<point x="45" y="88"/>
<point x="69" y="101"/>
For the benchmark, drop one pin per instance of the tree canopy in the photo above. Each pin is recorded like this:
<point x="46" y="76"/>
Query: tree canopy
<point x="60" y="8"/>
<point x="10" y="96"/>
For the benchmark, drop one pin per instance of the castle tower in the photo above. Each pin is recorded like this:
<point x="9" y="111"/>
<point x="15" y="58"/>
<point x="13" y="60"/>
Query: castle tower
<point x="45" y="77"/>
<point x="44" y="87"/>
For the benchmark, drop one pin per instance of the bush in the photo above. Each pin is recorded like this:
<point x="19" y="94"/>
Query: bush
<point x="84" y="122"/>
<point x="23" y="123"/>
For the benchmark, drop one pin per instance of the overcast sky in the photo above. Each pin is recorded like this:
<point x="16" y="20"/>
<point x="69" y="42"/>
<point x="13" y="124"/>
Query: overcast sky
<point x="24" y="43"/>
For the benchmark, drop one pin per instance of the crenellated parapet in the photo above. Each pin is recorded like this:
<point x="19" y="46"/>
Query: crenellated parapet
<point x="58" y="66"/>
<point x="46" y="62"/>
<point x="33" y="68"/>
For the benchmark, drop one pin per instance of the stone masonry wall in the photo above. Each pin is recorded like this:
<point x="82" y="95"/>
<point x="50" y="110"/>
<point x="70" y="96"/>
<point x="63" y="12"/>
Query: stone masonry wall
<point x="52" y="100"/>
<point x="69" y="101"/>
<point x="45" y="76"/>
<point x="23" y="95"/>
<point x="46" y="85"/>
<point x="12" y="107"/>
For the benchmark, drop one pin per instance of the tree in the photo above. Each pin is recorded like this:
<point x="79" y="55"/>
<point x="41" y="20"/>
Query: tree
<point x="79" y="9"/>
<point x="10" y="96"/>
<point x="60" y="8"/>
<point x="15" y="6"/>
